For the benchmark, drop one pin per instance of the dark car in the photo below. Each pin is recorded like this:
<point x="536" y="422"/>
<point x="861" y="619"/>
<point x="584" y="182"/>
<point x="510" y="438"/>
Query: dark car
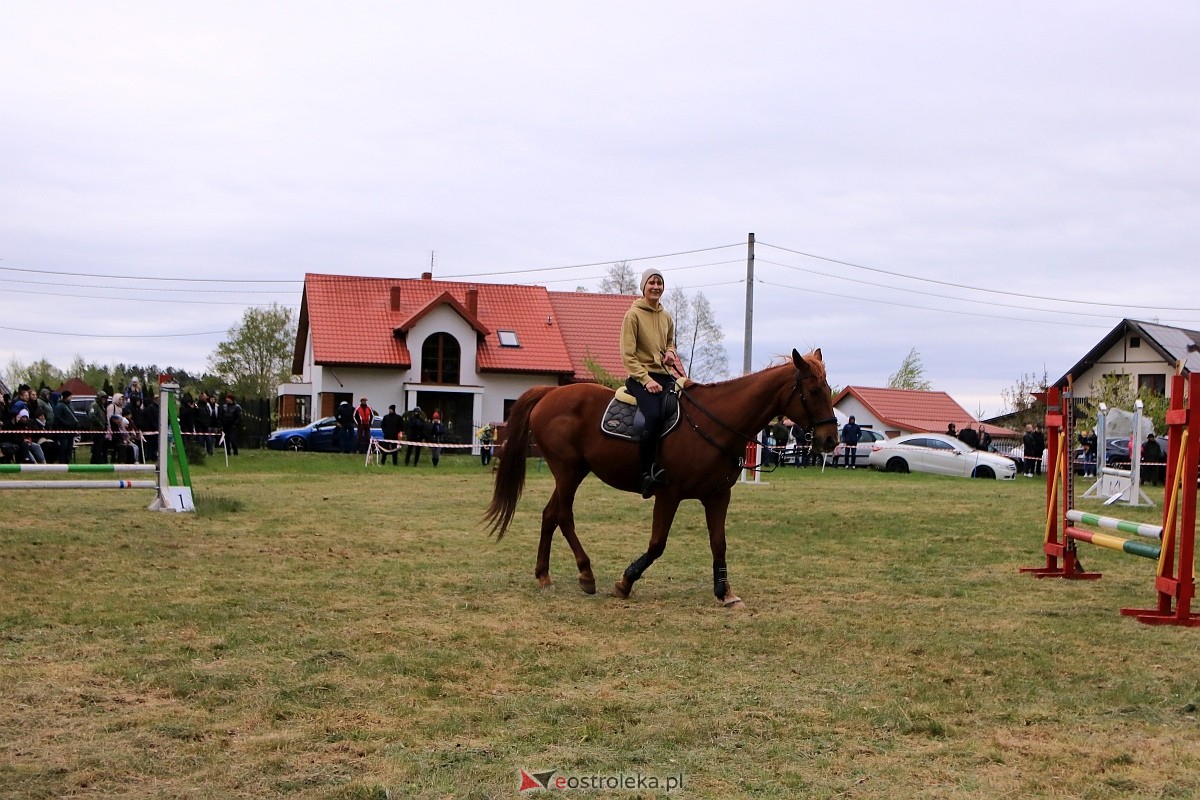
<point x="319" y="436"/>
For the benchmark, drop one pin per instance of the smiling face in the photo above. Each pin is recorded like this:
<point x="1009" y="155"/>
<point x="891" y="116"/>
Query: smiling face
<point x="653" y="290"/>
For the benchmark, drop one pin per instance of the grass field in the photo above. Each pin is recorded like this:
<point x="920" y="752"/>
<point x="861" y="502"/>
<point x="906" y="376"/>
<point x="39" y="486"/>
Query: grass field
<point x="321" y="629"/>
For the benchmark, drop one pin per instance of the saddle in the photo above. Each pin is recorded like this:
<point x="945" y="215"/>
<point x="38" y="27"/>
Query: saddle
<point x="623" y="420"/>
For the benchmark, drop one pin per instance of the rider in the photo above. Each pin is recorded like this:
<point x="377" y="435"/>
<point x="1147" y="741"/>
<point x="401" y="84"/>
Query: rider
<point x="648" y="350"/>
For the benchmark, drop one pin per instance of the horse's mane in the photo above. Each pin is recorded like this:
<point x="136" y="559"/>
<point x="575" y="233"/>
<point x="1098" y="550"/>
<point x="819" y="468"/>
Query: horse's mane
<point x="818" y="368"/>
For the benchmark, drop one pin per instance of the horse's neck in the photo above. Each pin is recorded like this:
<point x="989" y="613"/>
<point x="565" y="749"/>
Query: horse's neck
<point x="748" y="403"/>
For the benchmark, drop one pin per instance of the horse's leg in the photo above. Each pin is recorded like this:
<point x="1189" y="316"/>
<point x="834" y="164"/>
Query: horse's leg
<point x="664" y="515"/>
<point x="715" y="508"/>
<point x="560" y="513"/>
<point x="541" y="570"/>
<point x="566" y="522"/>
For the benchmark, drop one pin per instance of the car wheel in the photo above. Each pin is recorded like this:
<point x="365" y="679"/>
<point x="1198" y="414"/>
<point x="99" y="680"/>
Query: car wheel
<point x="896" y="464"/>
<point x="296" y="443"/>
<point x="983" y="472"/>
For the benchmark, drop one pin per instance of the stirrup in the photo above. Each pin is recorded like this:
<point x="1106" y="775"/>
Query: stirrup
<point x="652" y="479"/>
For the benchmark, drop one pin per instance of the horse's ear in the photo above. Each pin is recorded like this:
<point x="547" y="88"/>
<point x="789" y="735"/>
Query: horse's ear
<point x="817" y="353"/>
<point x="801" y="364"/>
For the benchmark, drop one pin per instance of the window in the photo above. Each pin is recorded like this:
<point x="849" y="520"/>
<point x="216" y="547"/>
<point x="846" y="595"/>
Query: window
<point x="440" y="359"/>
<point x="1155" y="383"/>
<point x="508" y="339"/>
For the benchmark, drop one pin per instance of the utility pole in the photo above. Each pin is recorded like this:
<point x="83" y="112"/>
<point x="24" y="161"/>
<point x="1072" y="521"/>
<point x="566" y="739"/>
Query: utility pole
<point x="749" y="338"/>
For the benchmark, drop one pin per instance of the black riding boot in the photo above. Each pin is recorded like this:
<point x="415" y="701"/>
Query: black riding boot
<point x="653" y="475"/>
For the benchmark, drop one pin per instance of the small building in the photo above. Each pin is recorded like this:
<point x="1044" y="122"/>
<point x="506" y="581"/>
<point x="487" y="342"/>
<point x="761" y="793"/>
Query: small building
<point x="896" y="412"/>
<point x="465" y="349"/>
<point x="1147" y="352"/>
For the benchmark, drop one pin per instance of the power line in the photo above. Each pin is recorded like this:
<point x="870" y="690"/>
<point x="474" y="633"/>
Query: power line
<point x="140" y="278"/>
<point x="93" y="334"/>
<point x="593" y="264"/>
<point x="973" y="288"/>
<point x="917" y="291"/>
<point x="158" y="300"/>
<point x="190" y="289"/>
<point x="927" y="308"/>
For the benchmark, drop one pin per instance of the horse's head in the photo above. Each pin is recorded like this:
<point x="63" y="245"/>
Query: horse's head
<point x="811" y="402"/>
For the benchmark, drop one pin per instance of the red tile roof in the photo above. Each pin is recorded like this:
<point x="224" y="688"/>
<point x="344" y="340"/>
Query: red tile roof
<point x="591" y="328"/>
<point x="77" y="387"/>
<point x="916" y="411"/>
<point x="362" y="321"/>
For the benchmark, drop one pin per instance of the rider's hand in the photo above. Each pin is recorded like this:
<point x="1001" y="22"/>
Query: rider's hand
<point x="653" y="386"/>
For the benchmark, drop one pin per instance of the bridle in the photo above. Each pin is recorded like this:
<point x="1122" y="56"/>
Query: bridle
<point x="746" y="438"/>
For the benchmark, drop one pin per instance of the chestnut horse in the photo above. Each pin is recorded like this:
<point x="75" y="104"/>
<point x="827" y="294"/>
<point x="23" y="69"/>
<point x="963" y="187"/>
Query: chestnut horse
<point x="702" y="456"/>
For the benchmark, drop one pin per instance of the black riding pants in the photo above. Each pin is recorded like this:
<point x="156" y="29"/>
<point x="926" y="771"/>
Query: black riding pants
<point x="651" y="406"/>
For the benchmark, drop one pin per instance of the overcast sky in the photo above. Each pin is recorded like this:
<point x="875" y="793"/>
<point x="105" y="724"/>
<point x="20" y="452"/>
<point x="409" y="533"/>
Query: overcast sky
<point x="918" y="175"/>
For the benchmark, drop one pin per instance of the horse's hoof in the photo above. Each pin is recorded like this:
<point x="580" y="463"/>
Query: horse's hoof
<point x="733" y="602"/>
<point x="544" y="582"/>
<point x="620" y="591"/>
<point x="589" y="587"/>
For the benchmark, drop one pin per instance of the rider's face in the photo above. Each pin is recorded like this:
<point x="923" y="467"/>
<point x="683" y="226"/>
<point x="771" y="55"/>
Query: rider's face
<point x="654" y="289"/>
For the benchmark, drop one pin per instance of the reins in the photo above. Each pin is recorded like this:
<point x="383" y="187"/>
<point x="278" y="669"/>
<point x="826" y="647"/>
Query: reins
<point x="746" y="439"/>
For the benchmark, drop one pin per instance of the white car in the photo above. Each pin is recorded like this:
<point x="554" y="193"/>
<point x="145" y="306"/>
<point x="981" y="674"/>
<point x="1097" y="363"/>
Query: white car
<point x="941" y="455"/>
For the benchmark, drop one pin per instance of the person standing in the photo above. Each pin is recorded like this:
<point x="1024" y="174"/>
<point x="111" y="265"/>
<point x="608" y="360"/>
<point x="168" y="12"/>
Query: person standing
<point x="414" y="431"/>
<point x="97" y="421"/>
<point x="363" y="416"/>
<point x="437" y="432"/>
<point x="134" y="392"/>
<point x="487" y="437"/>
<point x="648" y="353"/>
<point x="65" y="420"/>
<point x="344" y="417"/>
<point x="851" y="434"/>
<point x="1039" y="445"/>
<point x="1088" y="442"/>
<point x="208" y="419"/>
<point x="231" y="417"/>
<point x="969" y="437"/>
<point x="1029" y="443"/>
<point x="391" y="425"/>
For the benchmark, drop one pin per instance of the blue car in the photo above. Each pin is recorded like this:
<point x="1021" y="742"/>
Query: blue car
<point x="319" y="436"/>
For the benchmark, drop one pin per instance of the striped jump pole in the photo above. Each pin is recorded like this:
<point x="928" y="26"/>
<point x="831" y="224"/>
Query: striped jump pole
<point x="1114" y="524"/>
<point x="1133" y="548"/>
<point x="12" y="468"/>
<point x="118" y="484"/>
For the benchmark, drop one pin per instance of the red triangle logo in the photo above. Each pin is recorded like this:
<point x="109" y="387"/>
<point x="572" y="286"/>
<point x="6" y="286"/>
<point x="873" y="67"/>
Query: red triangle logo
<point x="528" y="782"/>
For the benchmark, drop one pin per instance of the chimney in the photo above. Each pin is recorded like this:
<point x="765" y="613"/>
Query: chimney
<point x="394" y="300"/>
<point x="426" y="276"/>
<point x="473" y="301"/>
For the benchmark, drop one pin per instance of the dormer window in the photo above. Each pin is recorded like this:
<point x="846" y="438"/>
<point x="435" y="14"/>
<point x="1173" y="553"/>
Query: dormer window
<point x="508" y="338"/>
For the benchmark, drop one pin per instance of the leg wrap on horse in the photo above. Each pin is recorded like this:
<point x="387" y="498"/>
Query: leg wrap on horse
<point x="635" y="570"/>
<point x="720" y="582"/>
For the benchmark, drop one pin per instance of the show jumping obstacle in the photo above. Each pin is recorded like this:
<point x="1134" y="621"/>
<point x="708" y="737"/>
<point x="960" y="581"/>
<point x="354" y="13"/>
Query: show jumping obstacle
<point x="174" y="493"/>
<point x="1175" y="552"/>
<point x="1119" y="485"/>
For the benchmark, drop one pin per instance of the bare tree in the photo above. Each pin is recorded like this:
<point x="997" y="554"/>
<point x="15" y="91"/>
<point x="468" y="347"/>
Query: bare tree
<point x="620" y="280"/>
<point x="698" y="337"/>
<point x="911" y="374"/>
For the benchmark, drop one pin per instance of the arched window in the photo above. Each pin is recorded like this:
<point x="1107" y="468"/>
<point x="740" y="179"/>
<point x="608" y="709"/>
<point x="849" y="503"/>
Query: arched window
<point x="440" y="359"/>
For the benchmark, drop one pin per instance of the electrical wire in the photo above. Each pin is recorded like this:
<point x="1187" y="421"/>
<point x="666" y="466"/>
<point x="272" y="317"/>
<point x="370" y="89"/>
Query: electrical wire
<point x="859" y="298"/>
<point x="925" y="294"/>
<point x="93" y="334"/>
<point x="973" y="288"/>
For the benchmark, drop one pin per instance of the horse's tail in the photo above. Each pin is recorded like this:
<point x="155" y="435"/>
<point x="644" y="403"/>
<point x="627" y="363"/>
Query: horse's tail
<point x="510" y="474"/>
